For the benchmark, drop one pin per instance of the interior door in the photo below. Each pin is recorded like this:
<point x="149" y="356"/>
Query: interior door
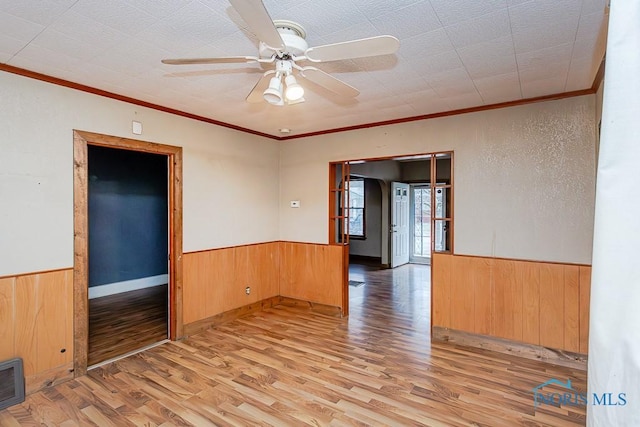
<point x="399" y="224"/>
<point x="420" y="234"/>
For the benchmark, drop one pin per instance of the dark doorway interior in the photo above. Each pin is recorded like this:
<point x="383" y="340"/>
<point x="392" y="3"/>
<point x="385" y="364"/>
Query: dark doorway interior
<point x="128" y="251"/>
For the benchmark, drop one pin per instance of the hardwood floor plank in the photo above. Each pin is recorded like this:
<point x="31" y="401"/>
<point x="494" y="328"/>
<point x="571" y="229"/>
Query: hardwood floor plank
<point x="291" y="366"/>
<point x="121" y="323"/>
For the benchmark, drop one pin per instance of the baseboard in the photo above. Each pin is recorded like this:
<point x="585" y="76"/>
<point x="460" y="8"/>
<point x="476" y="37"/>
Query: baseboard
<point x="204" y="324"/>
<point x="366" y="258"/>
<point x="37" y="382"/>
<point x="504" y="346"/>
<point x="315" y="307"/>
<point x="127" y="286"/>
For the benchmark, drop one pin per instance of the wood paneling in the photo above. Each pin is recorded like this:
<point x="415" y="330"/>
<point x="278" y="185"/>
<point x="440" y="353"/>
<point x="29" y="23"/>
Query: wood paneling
<point x="441" y="289"/>
<point x="7" y="318"/>
<point x="195" y="278"/>
<point x="27" y="322"/>
<point x="36" y="324"/>
<point x="506" y="310"/>
<point x="551" y="305"/>
<point x="225" y="282"/>
<point x="539" y="303"/>
<point x="312" y="272"/>
<point x="462" y="293"/>
<point x="266" y="272"/>
<point x="215" y="280"/>
<point x="572" y="308"/>
<point x="530" y="273"/>
<point x="584" y="306"/>
<point x="483" y="297"/>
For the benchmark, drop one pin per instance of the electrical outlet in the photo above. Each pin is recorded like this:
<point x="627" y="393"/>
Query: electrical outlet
<point x="247" y="290"/>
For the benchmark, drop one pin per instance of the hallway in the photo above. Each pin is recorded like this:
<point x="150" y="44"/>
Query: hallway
<point x="403" y="293"/>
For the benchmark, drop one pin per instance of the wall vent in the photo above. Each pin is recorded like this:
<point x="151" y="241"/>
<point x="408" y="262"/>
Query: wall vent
<point x="11" y="383"/>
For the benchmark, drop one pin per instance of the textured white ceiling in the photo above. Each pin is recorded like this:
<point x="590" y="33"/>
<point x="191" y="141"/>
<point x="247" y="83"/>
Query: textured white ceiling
<point x="453" y="54"/>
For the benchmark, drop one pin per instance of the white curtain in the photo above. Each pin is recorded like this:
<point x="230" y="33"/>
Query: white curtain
<point x="614" y="338"/>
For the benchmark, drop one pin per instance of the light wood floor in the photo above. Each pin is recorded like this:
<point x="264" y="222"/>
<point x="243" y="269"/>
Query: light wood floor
<point x="121" y="323"/>
<point x="289" y="366"/>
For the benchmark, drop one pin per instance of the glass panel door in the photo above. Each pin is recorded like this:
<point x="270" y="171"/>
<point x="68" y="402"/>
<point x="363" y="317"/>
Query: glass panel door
<point x="421" y="223"/>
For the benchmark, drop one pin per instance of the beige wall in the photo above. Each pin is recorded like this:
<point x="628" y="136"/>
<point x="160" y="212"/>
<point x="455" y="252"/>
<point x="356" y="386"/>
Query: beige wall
<point x="230" y="177"/>
<point x="524" y="177"/>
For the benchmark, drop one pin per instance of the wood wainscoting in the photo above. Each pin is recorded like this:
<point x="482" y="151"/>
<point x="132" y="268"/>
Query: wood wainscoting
<point x="37" y="309"/>
<point x="215" y="281"/>
<point x="312" y="272"/>
<point x="540" y="303"/>
<point x="36" y="324"/>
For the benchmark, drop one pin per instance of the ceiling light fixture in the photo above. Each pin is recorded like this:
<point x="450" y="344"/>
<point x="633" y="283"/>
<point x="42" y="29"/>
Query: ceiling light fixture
<point x="294" y="91"/>
<point x="273" y="94"/>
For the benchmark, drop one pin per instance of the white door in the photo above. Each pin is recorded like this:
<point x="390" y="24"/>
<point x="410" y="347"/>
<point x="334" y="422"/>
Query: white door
<point x="399" y="224"/>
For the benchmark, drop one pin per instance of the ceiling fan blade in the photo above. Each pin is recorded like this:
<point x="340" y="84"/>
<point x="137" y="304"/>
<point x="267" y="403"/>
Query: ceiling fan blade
<point x="219" y="60"/>
<point x="260" y="23"/>
<point x="329" y="82"/>
<point x="361" y="48"/>
<point x="255" y="96"/>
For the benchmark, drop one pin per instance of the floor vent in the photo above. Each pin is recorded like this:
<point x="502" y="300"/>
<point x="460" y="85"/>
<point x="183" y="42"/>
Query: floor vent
<point x="11" y="383"/>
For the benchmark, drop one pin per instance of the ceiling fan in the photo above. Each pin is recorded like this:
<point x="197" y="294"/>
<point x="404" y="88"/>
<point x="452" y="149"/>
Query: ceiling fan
<point x="283" y="44"/>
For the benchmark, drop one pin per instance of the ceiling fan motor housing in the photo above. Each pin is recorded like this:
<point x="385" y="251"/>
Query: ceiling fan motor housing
<point x="293" y="35"/>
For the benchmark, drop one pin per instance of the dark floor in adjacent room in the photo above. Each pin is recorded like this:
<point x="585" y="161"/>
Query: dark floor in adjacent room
<point x="125" y="322"/>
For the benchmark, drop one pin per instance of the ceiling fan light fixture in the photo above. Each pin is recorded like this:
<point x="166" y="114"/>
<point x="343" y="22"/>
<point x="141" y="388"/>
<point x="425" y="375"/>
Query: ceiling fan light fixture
<point x="294" y="91"/>
<point x="273" y="94"/>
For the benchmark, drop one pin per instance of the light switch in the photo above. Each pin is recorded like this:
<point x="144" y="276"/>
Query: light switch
<point x="136" y="128"/>
<point x="295" y="203"/>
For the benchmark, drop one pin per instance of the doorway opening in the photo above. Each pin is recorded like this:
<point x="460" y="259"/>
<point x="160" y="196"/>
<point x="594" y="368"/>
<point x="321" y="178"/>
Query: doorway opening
<point x="132" y="223"/>
<point x="388" y="202"/>
<point x="128" y="251"/>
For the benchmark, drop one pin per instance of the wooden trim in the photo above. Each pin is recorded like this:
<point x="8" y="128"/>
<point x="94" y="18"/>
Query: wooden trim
<point x="333" y="168"/>
<point x="210" y="322"/>
<point x="500" y="345"/>
<point x="364" y="207"/>
<point x="315" y="307"/>
<point x="342" y="209"/>
<point x="83" y="88"/>
<point x="367" y="258"/>
<point x="345" y="281"/>
<point x="599" y="77"/>
<point x="175" y="244"/>
<point x="11" y="276"/>
<point x="553" y="97"/>
<point x="80" y="256"/>
<point x="516" y="259"/>
<point x="77" y="86"/>
<point x="81" y="141"/>
<point x="230" y="247"/>
<point x="304" y="243"/>
<point x="41" y="380"/>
